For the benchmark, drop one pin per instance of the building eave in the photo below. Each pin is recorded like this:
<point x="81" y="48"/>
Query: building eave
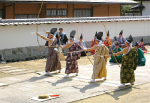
<point x="123" y="2"/>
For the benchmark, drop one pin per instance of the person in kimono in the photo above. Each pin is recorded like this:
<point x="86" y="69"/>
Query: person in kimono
<point x="129" y="63"/>
<point x="113" y="45"/>
<point x="141" y="57"/>
<point x="121" y="40"/>
<point x="72" y="56"/>
<point x="83" y="44"/>
<point x="119" y="58"/>
<point x="100" y="58"/>
<point x="107" y="40"/>
<point x="142" y="46"/>
<point x="53" y="62"/>
<point x="93" y="43"/>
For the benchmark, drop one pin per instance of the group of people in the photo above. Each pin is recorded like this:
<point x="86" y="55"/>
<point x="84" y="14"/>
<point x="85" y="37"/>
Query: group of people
<point x="118" y="45"/>
<point x="128" y="55"/>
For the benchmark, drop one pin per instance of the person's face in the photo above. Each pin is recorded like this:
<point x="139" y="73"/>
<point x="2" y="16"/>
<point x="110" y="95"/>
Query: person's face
<point x="94" y="37"/>
<point x="50" y="36"/>
<point x="81" y="40"/>
<point x="71" y="40"/>
<point x="60" y="30"/>
<point x="126" y="44"/>
<point x="136" y="47"/>
<point x="107" y="36"/>
<point x="120" y="35"/>
<point x="96" y="42"/>
<point x="116" y="46"/>
<point x="114" y="42"/>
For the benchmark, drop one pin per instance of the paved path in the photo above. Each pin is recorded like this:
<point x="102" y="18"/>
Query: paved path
<point x="22" y="87"/>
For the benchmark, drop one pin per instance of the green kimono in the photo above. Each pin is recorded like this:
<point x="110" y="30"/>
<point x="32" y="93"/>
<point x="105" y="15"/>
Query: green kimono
<point x="141" y="57"/>
<point x="119" y="58"/>
<point x="129" y="64"/>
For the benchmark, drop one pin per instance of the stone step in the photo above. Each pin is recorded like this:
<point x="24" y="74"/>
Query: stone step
<point x="22" y="72"/>
<point x="1" y="67"/>
<point x="6" y="69"/>
<point x="15" y="70"/>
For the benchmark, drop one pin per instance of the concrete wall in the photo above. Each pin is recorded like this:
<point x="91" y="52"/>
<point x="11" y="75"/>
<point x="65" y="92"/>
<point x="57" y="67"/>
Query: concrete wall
<point x="17" y="42"/>
<point x="146" y="10"/>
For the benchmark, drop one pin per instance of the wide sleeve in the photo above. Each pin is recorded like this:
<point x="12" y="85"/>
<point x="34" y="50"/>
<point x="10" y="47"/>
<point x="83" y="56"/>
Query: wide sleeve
<point x="135" y="59"/>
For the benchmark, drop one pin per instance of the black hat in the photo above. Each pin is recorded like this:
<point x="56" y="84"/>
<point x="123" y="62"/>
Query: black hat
<point x="121" y="32"/>
<point x="96" y="33"/>
<point x="130" y="39"/>
<point x="81" y="37"/>
<point x="136" y="44"/>
<point x="142" y="39"/>
<point x="108" y="33"/>
<point x="99" y="35"/>
<point x="72" y="33"/>
<point x="115" y="38"/>
<point x="53" y="30"/>
<point x="117" y="43"/>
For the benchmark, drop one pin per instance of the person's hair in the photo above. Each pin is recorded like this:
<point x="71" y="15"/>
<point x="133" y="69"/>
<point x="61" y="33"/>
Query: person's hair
<point x="60" y="28"/>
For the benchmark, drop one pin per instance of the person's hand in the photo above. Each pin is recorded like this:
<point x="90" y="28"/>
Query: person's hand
<point x="114" y="54"/>
<point x="61" y="46"/>
<point x="60" y="38"/>
<point x="37" y="34"/>
<point x="84" y="49"/>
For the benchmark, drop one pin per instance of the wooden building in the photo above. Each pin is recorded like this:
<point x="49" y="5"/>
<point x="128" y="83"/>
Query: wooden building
<point x="24" y="9"/>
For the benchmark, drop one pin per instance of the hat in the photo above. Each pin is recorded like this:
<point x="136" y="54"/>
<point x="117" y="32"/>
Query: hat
<point x="81" y="37"/>
<point x="136" y="44"/>
<point x="96" y="33"/>
<point x="108" y="33"/>
<point x="142" y="39"/>
<point x="115" y="38"/>
<point x="99" y="35"/>
<point x="121" y="32"/>
<point x="117" y="43"/>
<point x="53" y="30"/>
<point x="130" y="39"/>
<point x="72" y="33"/>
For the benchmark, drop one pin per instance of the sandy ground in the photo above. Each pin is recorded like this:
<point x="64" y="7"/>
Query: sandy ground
<point x="140" y="94"/>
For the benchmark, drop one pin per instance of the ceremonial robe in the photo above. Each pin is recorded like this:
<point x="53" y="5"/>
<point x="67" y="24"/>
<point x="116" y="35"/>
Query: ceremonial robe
<point x="141" y="57"/>
<point x="53" y="62"/>
<point x="71" y="60"/>
<point x="119" y="58"/>
<point x="129" y="64"/>
<point x="99" y="67"/>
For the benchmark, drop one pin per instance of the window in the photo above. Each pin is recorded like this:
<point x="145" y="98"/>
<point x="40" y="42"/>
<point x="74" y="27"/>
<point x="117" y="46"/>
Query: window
<point x="1" y="14"/>
<point x="62" y="12"/>
<point x="82" y="13"/>
<point x="20" y="16"/>
<point x="51" y="12"/>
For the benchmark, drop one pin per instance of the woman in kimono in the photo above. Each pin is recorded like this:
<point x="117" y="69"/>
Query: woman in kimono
<point x="129" y="63"/>
<point x="100" y="59"/>
<point x="142" y="46"/>
<point x="72" y="57"/>
<point x="53" y="62"/>
<point x="141" y="57"/>
<point x="119" y="58"/>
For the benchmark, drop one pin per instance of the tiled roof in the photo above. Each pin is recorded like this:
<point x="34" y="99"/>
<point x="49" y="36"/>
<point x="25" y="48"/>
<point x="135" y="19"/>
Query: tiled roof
<point x="16" y="22"/>
<point x="72" y="1"/>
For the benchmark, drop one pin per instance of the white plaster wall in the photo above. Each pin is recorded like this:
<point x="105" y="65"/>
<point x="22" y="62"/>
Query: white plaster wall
<point x="19" y="36"/>
<point x="146" y="10"/>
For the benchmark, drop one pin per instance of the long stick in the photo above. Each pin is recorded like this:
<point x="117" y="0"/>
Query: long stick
<point x="83" y="46"/>
<point x="110" y="46"/>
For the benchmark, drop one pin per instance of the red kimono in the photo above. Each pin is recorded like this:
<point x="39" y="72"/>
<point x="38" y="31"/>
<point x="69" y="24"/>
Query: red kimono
<point x="141" y="46"/>
<point x="92" y="44"/>
<point x="106" y="41"/>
